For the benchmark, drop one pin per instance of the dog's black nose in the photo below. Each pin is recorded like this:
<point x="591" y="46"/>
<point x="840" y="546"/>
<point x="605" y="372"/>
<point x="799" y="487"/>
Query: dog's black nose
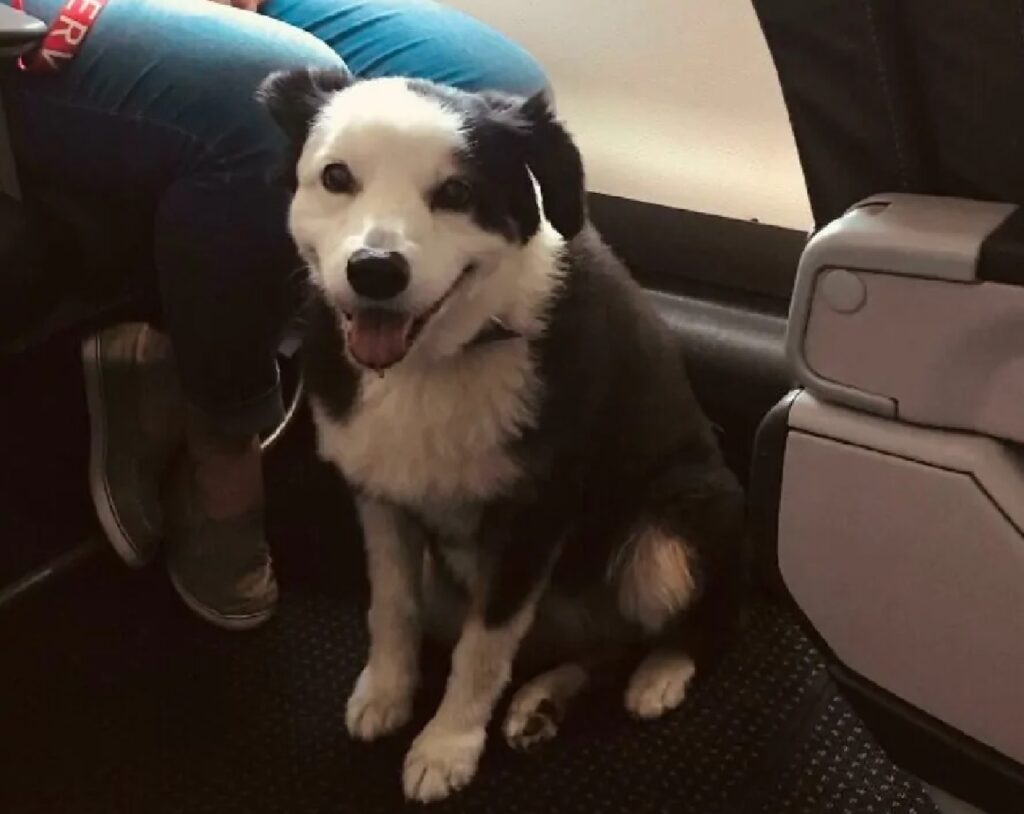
<point x="378" y="275"/>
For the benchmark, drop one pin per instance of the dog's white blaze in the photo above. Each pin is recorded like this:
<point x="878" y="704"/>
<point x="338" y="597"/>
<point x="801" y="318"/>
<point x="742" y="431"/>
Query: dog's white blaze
<point x="399" y="145"/>
<point x="380" y="119"/>
<point x="370" y="100"/>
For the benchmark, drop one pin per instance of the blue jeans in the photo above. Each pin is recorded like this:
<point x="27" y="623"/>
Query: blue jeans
<point x="159" y="103"/>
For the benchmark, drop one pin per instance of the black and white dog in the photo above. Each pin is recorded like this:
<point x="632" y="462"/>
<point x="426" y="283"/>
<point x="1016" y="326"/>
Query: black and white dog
<point x="533" y="473"/>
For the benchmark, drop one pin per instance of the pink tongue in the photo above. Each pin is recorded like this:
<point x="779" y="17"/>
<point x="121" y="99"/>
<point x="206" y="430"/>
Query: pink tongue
<point x="379" y="338"/>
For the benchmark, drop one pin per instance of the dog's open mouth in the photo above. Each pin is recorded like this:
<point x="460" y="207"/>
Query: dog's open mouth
<point x="378" y="338"/>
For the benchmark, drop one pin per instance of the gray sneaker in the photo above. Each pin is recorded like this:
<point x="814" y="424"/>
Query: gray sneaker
<point x="221" y="568"/>
<point x="136" y="416"/>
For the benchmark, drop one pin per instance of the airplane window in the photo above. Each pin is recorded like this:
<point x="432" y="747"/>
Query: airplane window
<point x="675" y="103"/>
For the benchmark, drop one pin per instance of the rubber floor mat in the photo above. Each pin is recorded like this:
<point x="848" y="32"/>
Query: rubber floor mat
<point x="838" y="768"/>
<point x="115" y="700"/>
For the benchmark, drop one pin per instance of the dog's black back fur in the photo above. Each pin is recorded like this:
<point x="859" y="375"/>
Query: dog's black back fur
<point x="621" y="441"/>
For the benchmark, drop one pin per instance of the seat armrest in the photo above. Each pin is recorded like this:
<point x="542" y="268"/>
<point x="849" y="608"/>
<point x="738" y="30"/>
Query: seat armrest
<point x="911" y="307"/>
<point x="18" y="32"/>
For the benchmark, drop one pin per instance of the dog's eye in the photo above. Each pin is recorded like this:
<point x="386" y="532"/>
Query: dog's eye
<point x="454" y="194"/>
<point x="337" y="178"/>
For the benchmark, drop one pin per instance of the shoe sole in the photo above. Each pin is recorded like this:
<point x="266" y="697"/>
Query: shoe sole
<point x="222" y="620"/>
<point x="102" y="500"/>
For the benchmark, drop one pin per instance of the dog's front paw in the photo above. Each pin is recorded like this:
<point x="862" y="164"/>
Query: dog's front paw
<point x="441" y="762"/>
<point x="377" y="707"/>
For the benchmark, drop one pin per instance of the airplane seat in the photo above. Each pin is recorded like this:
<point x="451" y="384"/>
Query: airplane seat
<point x="889" y="486"/>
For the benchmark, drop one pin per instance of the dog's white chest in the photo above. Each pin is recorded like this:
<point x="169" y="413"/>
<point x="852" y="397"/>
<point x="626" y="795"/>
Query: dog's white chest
<point x="436" y="433"/>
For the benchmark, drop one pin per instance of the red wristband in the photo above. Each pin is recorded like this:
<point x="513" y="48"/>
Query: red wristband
<point x="65" y="36"/>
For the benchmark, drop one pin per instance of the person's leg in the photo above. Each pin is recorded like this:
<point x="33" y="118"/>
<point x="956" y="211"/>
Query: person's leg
<point x="159" y="105"/>
<point x="417" y="38"/>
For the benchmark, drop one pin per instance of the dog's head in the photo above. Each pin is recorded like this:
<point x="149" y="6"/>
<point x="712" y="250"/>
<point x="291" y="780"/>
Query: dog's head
<point x="411" y="199"/>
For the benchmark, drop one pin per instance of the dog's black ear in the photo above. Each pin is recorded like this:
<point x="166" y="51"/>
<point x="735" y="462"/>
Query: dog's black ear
<point x="555" y="162"/>
<point x="294" y="98"/>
